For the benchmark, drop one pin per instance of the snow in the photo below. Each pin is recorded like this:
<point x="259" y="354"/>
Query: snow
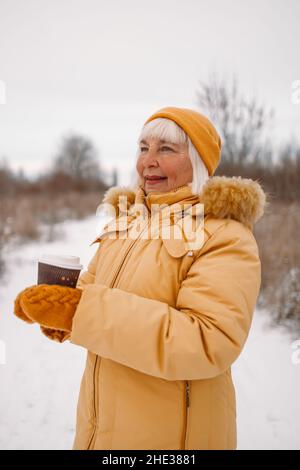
<point x="40" y="378"/>
<point x="267" y="381"/>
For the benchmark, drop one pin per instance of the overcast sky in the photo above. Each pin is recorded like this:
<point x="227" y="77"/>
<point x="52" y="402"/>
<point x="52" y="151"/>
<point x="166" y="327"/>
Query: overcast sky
<point x="100" y="68"/>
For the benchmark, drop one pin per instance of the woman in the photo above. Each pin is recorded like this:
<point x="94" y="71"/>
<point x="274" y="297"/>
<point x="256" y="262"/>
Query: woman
<point x="162" y="318"/>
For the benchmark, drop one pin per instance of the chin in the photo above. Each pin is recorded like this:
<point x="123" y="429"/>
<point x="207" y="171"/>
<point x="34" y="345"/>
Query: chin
<point x="161" y="188"/>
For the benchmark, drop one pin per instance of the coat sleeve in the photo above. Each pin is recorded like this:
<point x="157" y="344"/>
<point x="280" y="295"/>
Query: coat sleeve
<point x="198" y="339"/>
<point x="88" y="276"/>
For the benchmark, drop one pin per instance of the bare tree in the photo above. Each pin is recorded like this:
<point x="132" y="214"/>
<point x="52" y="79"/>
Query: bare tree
<point x="287" y="170"/>
<point x="242" y="122"/>
<point x="78" y="159"/>
<point x="7" y="177"/>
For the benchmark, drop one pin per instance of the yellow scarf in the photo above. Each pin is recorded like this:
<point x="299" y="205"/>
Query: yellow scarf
<point x="181" y="195"/>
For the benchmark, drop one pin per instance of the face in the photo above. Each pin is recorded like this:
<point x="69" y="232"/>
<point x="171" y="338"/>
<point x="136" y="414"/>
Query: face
<point x="163" y="166"/>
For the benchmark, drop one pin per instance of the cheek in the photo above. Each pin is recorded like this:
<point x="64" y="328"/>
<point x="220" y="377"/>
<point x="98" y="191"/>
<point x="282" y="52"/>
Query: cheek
<point x="186" y="167"/>
<point x="139" y="167"/>
<point x="177" y="168"/>
<point x="170" y="168"/>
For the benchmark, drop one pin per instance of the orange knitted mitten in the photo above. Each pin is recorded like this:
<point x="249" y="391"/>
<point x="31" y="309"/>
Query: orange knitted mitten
<point x="17" y="307"/>
<point x="53" y="307"/>
<point x="56" y="335"/>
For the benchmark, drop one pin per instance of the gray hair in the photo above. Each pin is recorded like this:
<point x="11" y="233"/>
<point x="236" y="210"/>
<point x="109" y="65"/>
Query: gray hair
<point x="163" y="128"/>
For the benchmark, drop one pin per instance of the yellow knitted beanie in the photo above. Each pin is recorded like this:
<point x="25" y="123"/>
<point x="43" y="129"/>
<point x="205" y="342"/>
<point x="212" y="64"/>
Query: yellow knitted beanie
<point x="199" y="129"/>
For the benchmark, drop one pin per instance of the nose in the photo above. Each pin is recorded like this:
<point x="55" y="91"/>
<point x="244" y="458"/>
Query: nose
<point x="150" y="158"/>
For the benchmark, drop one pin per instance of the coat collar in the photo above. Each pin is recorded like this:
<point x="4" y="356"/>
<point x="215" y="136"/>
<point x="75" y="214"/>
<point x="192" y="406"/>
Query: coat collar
<point x="241" y="199"/>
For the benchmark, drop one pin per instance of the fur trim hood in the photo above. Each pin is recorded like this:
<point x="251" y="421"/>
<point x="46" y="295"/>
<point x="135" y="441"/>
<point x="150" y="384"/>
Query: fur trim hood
<point x="241" y="199"/>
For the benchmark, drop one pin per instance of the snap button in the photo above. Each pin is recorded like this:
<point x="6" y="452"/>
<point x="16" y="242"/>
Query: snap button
<point x="190" y="253"/>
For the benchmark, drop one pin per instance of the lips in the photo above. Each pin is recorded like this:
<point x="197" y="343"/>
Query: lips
<point x="155" y="178"/>
<point x="152" y="180"/>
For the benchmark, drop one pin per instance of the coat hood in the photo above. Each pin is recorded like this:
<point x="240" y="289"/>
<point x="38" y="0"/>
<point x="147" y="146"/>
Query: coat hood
<point x="241" y="199"/>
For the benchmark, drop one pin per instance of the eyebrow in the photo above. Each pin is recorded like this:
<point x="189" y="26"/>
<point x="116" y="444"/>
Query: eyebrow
<point x="162" y="141"/>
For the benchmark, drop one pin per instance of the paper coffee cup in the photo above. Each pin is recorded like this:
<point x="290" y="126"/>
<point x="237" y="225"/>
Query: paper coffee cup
<point x="59" y="269"/>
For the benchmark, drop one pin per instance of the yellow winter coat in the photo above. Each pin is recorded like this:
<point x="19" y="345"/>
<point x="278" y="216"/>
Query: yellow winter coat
<point x="162" y="323"/>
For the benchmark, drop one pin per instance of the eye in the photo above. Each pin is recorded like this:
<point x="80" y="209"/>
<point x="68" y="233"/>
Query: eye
<point x="164" y="147"/>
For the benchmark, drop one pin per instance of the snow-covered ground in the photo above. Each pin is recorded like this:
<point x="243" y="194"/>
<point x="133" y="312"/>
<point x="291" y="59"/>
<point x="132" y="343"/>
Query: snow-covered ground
<point x="40" y="379"/>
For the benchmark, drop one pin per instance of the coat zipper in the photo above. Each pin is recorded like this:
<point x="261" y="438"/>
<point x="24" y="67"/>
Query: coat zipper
<point x="186" y="411"/>
<point x="97" y="357"/>
<point x="95" y="398"/>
